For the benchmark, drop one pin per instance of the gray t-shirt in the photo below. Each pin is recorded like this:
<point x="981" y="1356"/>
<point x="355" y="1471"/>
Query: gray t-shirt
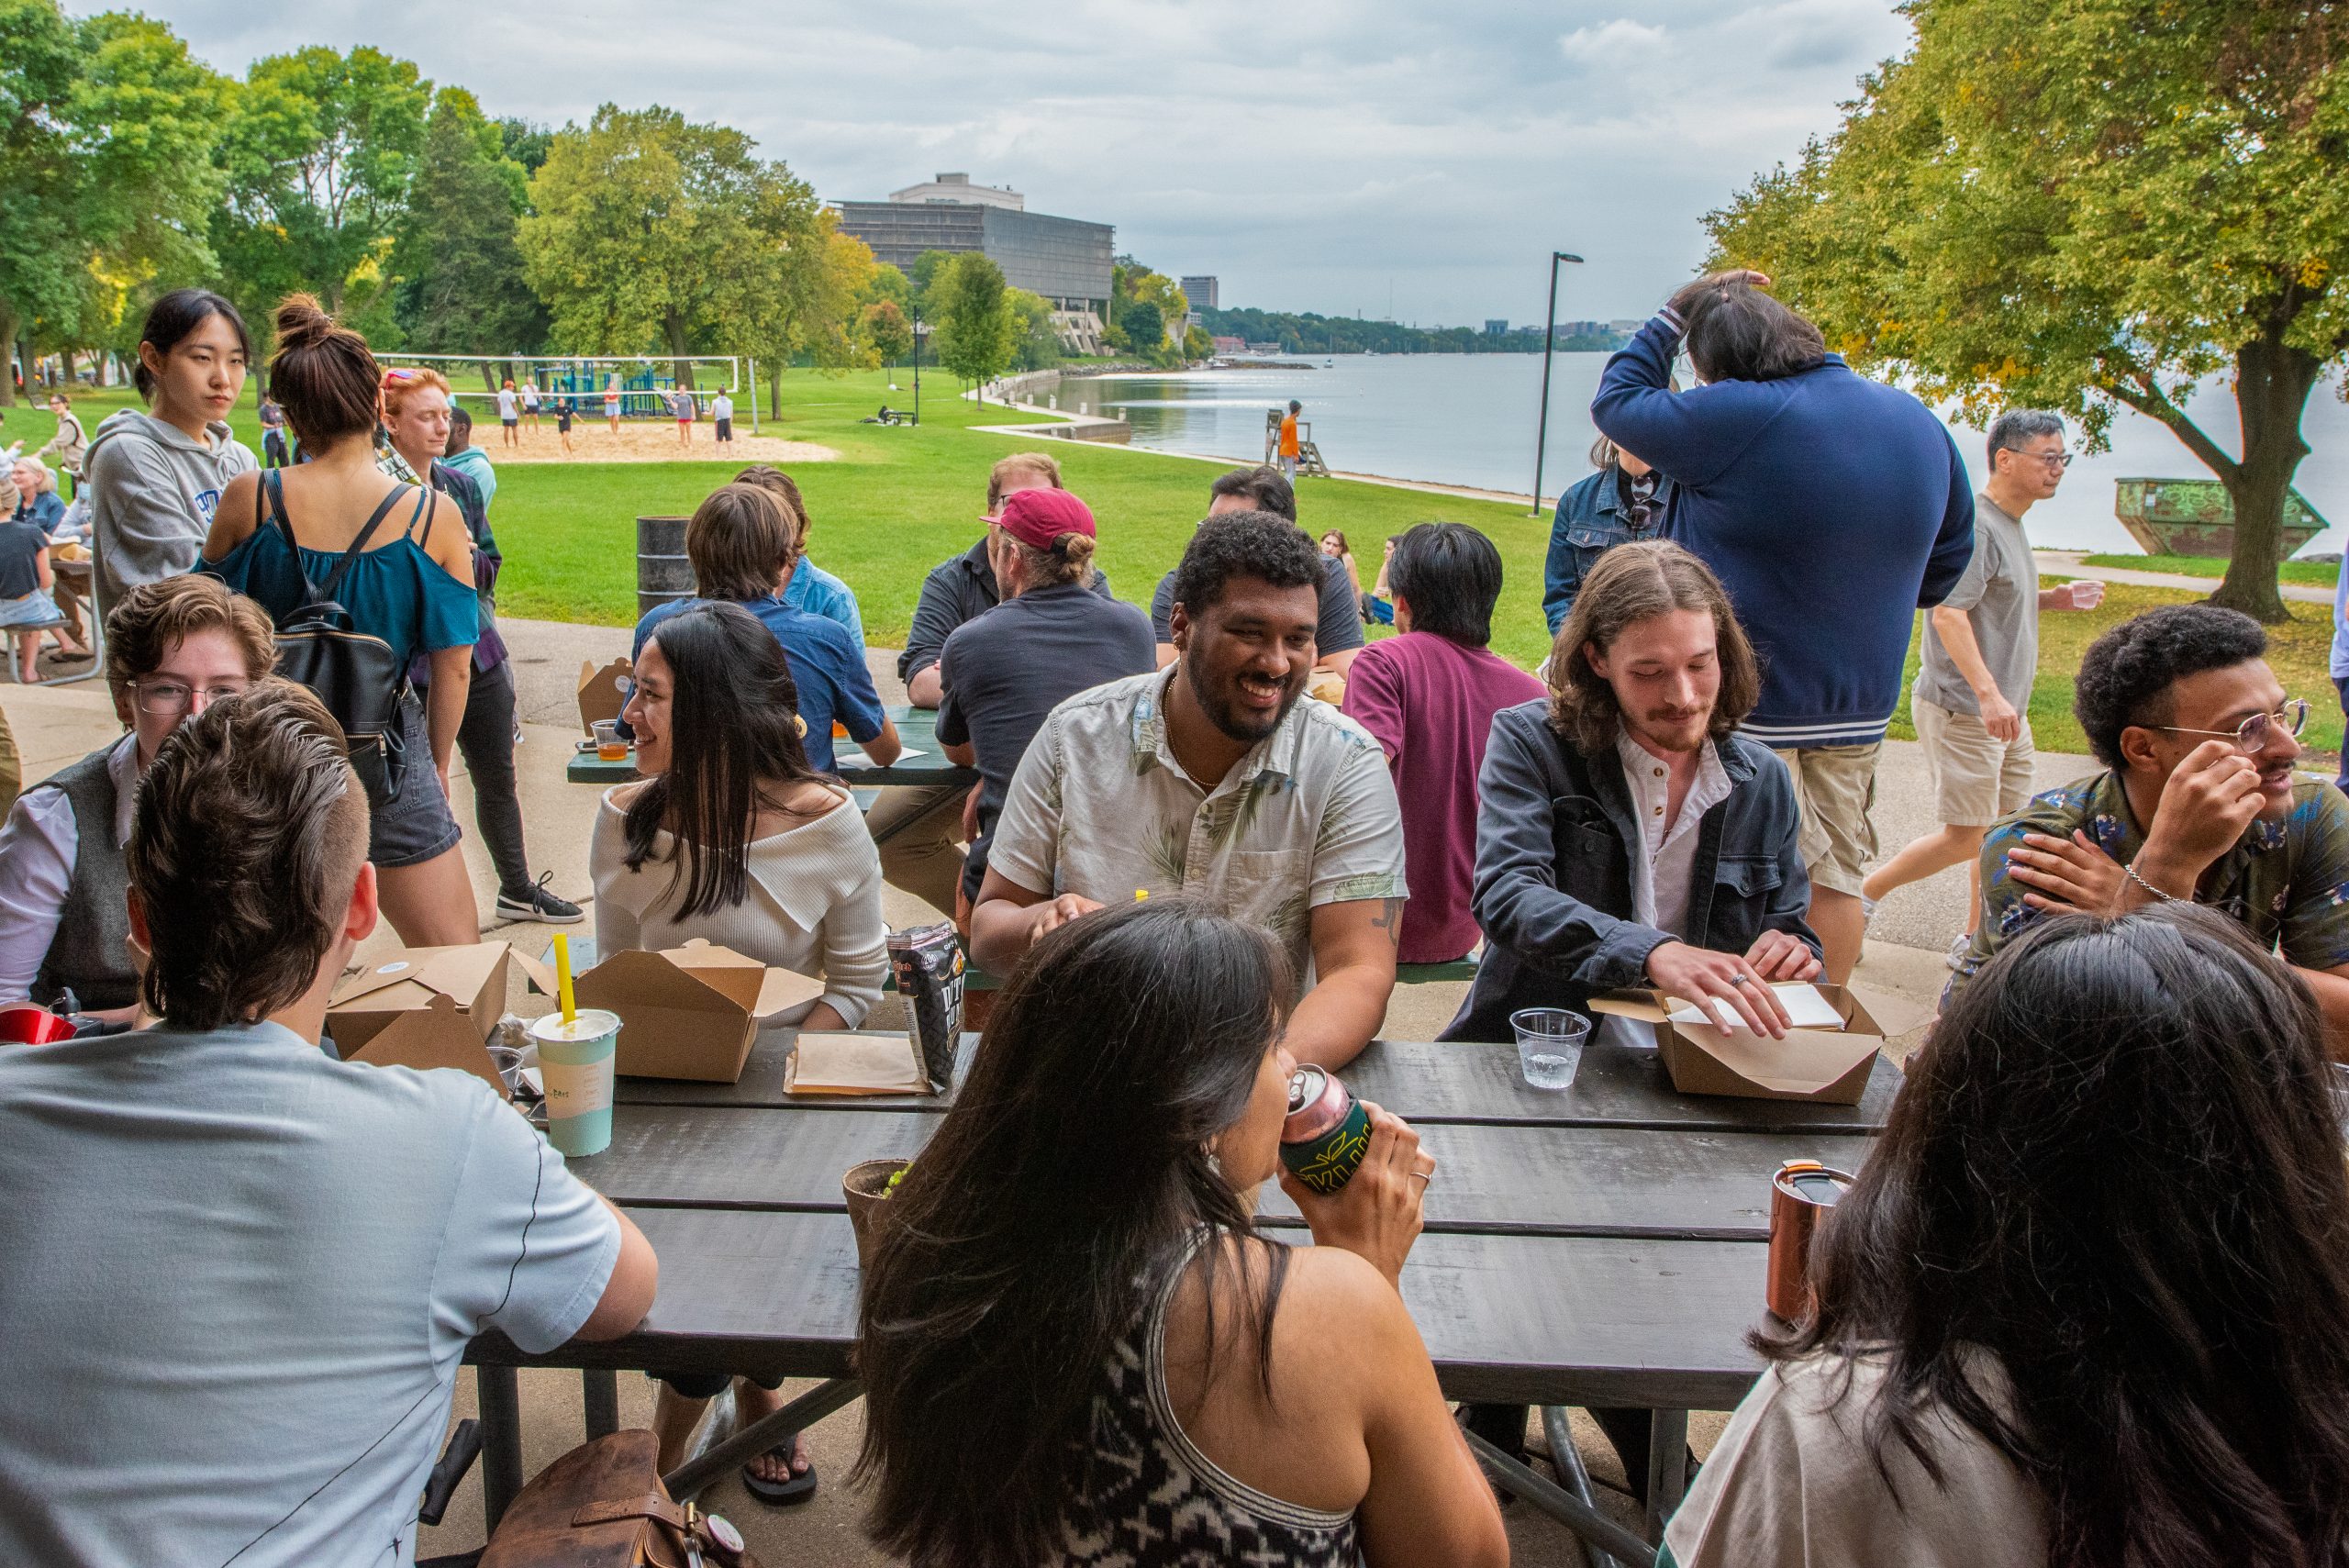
<point x="239" y="1276"/>
<point x="2000" y="594"/>
<point x="1341" y="612"/>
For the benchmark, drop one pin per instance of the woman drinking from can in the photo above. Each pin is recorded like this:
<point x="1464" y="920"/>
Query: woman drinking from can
<point x="1074" y="1274"/>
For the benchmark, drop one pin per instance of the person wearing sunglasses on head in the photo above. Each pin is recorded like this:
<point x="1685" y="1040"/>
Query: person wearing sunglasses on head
<point x="172" y="649"/>
<point x="2200" y="803"/>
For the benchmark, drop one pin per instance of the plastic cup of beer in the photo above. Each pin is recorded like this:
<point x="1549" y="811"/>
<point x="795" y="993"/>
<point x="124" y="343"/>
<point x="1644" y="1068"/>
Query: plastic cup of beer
<point x="611" y="745"/>
<point x="575" y="1062"/>
<point x="1549" y="1045"/>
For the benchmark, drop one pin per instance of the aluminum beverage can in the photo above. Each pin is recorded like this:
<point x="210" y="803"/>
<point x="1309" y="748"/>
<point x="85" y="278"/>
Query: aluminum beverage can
<point x="1801" y="1195"/>
<point x="1327" y="1131"/>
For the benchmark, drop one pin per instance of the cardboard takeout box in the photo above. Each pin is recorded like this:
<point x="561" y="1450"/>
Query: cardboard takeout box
<point x="1828" y="1066"/>
<point x="599" y="693"/>
<point x="423" y="1007"/>
<point x="688" y="1012"/>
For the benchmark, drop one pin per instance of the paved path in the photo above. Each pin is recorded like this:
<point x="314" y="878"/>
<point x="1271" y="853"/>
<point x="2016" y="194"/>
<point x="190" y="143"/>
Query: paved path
<point x="2062" y="563"/>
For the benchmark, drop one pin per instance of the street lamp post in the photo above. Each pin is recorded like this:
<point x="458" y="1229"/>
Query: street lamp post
<point x="1549" y="343"/>
<point x="921" y="333"/>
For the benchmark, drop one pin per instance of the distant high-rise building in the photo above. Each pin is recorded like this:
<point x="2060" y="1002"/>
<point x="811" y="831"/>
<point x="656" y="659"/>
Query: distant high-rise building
<point x="1495" y="327"/>
<point x="1201" y="292"/>
<point x="1062" y="258"/>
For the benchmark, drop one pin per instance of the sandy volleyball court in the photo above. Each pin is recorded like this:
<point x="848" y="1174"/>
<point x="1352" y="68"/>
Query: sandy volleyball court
<point x="639" y="440"/>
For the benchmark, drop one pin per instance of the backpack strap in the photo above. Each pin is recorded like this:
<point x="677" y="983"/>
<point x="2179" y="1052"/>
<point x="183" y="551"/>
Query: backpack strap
<point x="382" y="510"/>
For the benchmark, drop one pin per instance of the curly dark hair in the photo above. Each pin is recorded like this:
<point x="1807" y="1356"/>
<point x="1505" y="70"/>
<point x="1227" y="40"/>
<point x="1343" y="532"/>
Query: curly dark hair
<point x="2126" y="674"/>
<point x="1245" y="544"/>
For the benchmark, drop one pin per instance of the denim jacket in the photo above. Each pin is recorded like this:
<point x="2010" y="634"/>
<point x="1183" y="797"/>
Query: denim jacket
<point x="1589" y="519"/>
<point x="1555" y="847"/>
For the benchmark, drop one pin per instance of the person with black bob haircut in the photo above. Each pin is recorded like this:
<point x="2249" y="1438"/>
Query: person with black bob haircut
<point x="2200" y="802"/>
<point x="1219" y="776"/>
<point x="156" y="478"/>
<point x="1338" y="638"/>
<point x="1427" y="698"/>
<point x="2087" y="1302"/>
<point x="1071" y="1268"/>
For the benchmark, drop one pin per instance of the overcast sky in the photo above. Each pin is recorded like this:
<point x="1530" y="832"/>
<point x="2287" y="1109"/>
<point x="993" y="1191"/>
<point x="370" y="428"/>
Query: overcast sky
<point x="1314" y="155"/>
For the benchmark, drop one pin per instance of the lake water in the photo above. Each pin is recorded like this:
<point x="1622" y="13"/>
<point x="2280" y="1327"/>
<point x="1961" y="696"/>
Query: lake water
<point x="1469" y="419"/>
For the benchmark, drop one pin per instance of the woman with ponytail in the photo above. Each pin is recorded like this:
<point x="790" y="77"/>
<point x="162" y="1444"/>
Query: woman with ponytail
<point x="412" y="586"/>
<point x="1051" y="638"/>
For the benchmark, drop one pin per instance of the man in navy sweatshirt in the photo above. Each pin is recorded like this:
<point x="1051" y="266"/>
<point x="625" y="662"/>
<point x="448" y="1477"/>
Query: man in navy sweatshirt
<point x="1833" y="508"/>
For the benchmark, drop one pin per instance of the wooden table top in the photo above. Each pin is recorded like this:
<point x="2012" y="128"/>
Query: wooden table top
<point x="916" y="727"/>
<point x="1602" y="1245"/>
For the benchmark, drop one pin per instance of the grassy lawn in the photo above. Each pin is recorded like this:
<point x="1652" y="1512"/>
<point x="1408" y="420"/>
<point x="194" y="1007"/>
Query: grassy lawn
<point x="2300" y="651"/>
<point x="2317" y="574"/>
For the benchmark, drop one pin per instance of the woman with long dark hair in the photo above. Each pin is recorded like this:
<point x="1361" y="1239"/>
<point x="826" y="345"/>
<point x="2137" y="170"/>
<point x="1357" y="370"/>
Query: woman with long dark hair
<point x="2087" y="1305"/>
<point x="736" y="838"/>
<point x="1075" y="1347"/>
<point x="412" y="586"/>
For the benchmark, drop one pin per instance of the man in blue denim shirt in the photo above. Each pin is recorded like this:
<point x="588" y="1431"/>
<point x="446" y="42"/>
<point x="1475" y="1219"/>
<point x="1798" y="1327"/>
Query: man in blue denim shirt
<point x="1626" y="499"/>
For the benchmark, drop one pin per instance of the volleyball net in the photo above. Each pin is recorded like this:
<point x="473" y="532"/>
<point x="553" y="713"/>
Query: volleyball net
<point x="644" y="381"/>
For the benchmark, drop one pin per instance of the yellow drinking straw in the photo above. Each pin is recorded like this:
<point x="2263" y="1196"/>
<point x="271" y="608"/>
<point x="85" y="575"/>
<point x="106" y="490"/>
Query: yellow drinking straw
<point x="1141" y="894"/>
<point x="562" y="978"/>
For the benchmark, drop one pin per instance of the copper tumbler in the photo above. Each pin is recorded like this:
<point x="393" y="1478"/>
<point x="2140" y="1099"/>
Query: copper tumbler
<point x="1800" y="1194"/>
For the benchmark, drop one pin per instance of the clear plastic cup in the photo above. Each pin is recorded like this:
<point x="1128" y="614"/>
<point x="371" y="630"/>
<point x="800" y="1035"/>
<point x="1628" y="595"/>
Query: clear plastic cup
<point x="1549" y="1045"/>
<point x="611" y="745"/>
<point x="2337" y="1074"/>
<point x="575" y="1063"/>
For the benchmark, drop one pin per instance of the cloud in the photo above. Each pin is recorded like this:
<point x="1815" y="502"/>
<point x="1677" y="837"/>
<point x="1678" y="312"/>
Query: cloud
<point x="1312" y="162"/>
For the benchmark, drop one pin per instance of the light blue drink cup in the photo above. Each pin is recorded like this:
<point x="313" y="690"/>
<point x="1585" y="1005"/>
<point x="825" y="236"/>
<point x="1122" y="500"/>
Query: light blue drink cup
<point x="575" y="1066"/>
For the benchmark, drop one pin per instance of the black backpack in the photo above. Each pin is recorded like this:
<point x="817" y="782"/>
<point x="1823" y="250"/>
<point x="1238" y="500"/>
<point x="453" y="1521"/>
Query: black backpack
<point x="362" y="683"/>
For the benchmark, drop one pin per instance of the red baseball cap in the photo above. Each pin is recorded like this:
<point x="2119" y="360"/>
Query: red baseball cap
<point x="1039" y="517"/>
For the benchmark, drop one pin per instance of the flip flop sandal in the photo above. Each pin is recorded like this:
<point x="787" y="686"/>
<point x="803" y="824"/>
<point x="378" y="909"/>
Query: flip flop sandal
<point x="782" y="1494"/>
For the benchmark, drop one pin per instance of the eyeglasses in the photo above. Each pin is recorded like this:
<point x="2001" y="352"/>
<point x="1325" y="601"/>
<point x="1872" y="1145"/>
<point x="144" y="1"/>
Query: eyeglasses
<point x="2056" y="459"/>
<point x="164" y="698"/>
<point x="2252" y="733"/>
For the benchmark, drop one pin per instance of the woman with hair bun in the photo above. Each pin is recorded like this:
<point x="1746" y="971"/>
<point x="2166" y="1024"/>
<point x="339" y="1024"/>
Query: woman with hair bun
<point x="412" y="586"/>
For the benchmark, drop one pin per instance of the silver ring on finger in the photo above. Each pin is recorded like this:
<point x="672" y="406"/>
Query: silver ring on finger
<point x="1740" y="979"/>
<point x="1423" y="1175"/>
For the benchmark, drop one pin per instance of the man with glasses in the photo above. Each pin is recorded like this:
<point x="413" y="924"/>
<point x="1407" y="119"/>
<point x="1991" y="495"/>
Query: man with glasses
<point x="1972" y="698"/>
<point x="2199" y="802"/>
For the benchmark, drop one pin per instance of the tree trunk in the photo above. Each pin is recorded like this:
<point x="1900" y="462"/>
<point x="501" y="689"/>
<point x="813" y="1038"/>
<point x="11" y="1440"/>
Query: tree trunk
<point x="8" y="319"/>
<point x="673" y="325"/>
<point x="2272" y="386"/>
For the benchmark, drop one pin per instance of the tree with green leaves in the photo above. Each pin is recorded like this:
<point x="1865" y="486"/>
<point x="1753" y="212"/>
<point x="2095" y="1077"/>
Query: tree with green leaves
<point x="1035" y="342"/>
<point x="319" y="151"/>
<point x="1145" y="327"/>
<point x="106" y="128"/>
<point x="461" y="288"/>
<point x="791" y="288"/>
<point x="2083" y="206"/>
<point x="886" y="331"/>
<point x="974" y="329"/>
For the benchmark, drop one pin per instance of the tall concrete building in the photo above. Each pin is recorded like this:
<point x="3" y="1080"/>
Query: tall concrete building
<point x="1201" y="292"/>
<point x="1065" y="259"/>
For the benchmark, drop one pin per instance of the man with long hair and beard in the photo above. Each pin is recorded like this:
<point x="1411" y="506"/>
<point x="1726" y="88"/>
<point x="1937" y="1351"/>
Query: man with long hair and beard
<point x="1220" y="778"/>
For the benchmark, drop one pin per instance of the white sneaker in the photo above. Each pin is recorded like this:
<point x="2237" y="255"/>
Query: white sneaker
<point x="1960" y="947"/>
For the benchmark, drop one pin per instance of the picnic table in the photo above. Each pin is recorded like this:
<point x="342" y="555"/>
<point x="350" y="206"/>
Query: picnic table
<point x="1605" y="1245"/>
<point x="916" y="727"/>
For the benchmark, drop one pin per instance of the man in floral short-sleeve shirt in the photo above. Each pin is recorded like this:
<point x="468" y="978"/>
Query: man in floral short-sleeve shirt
<point x="1218" y="778"/>
<point x="2201" y="802"/>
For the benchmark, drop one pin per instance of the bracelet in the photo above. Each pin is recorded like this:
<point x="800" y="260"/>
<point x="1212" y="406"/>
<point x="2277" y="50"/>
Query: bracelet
<point x="2130" y="873"/>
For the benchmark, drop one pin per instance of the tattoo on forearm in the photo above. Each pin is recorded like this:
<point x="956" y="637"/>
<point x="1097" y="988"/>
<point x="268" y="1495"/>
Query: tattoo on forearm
<point x="1389" y="919"/>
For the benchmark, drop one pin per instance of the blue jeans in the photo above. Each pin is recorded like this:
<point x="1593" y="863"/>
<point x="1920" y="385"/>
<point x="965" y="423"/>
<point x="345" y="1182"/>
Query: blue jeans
<point x="2341" y="686"/>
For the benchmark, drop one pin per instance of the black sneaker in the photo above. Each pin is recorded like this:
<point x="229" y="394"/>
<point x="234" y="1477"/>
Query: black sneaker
<point x="535" y="902"/>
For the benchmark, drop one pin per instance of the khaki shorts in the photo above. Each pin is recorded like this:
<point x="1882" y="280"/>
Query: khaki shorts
<point x="1835" y="788"/>
<point x="1977" y="778"/>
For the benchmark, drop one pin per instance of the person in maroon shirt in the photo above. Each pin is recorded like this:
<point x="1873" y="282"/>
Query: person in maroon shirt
<point x="1427" y="698"/>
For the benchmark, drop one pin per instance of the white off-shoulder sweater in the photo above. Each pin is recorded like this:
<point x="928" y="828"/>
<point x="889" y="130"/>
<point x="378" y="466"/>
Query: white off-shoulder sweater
<point x="811" y="903"/>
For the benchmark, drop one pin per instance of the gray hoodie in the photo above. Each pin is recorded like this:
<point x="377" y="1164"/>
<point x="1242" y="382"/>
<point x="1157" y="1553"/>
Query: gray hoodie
<point x="153" y="492"/>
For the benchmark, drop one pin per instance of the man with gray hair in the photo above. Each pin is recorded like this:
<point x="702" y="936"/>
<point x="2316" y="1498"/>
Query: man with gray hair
<point x="1972" y="699"/>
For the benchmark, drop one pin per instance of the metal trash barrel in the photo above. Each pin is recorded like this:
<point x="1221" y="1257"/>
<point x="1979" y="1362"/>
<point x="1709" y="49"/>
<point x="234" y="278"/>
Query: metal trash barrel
<point x="663" y="574"/>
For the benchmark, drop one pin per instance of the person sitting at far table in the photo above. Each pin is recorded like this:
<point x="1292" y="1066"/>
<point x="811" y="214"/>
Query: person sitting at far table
<point x="2087" y="1300"/>
<point x="2200" y="804"/>
<point x="736" y="838"/>
<point x="173" y="648"/>
<point x="1051" y="638"/>
<point x="1220" y="778"/>
<point x="744" y="546"/>
<point x="241" y="1275"/>
<point x="1339" y="633"/>
<point x="1074" y="1272"/>
<point x="1427" y="698"/>
<point x="1628" y="836"/>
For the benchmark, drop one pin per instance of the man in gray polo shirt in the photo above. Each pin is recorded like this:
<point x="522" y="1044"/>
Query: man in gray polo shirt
<point x="1972" y="699"/>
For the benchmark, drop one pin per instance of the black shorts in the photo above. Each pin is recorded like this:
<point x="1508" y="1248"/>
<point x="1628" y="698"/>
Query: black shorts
<point x="509" y="424"/>
<point x="726" y="429"/>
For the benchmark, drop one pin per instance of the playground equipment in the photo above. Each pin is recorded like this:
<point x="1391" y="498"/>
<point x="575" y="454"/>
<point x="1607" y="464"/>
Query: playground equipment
<point x="645" y="381"/>
<point x="1308" y="456"/>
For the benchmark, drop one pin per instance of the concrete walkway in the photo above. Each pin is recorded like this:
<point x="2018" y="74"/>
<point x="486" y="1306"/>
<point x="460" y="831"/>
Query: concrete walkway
<point x="1900" y="979"/>
<point x="2069" y="563"/>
